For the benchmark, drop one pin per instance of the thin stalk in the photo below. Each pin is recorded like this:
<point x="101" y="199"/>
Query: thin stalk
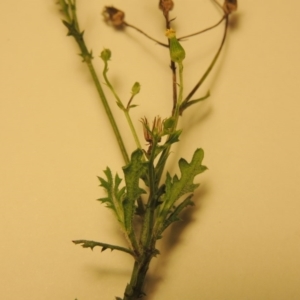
<point x="202" y="31"/>
<point x="123" y="108"/>
<point x="176" y="114"/>
<point x="212" y="64"/>
<point x="145" y="34"/>
<point x="174" y="86"/>
<point x="180" y="96"/>
<point x="129" y="121"/>
<point x="69" y="10"/>
<point x="108" y="112"/>
<point x="173" y="68"/>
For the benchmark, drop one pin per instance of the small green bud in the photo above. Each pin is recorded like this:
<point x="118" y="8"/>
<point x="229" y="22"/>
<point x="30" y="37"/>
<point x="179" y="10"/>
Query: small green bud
<point x="177" y="52"/>
<point x="168" y="124"/>
<point x="135" y="89"/>
<point x="106" y="55"/>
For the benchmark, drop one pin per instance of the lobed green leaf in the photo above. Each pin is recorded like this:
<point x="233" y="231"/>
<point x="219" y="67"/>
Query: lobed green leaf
<point x="133" y="172"/>
<point x="174" y="216"/>
<point x="177" y="187"/>
<point x="93" y="244"/>
<point x="115" y="195"/>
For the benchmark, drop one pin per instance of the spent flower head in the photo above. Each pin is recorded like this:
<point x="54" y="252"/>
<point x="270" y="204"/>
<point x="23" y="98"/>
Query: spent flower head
<point x="166" y="6"/>
<point x="156" y="132"/>
<point x="114" y="16"/>
<point x="230" y="6"/>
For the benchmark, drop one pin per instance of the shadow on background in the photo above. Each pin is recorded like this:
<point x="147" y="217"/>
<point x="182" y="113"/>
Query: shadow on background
<point x="171" y="239"/>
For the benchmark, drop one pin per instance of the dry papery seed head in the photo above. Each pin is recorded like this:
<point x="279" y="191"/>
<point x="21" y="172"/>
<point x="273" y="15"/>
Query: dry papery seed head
<point x="113" y="16"/>
<point x="230" y="6"/>
<point x="157" y="129"/>
<point x="166" y="6"/>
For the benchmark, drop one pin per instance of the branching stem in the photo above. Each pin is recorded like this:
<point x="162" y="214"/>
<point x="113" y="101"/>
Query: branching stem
<point x="122" y="107"/>
<point x="108" y="112"/>
<point x="69" y="10"/>
<point x="164" y="201"/>
<point x="202" y="31"/>
<point x="212" y="64"/>
<point x="145" y="34"/>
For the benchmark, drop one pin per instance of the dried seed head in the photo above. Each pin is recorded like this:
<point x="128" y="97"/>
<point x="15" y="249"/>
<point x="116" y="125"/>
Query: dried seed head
<point x="166" y="6"/>
<point x="146" y="130"/>
<point x="230" y="6"/>
<point x="113" y="16"/>
<point x="157" y="127"/>
<point x="154" y="133"/>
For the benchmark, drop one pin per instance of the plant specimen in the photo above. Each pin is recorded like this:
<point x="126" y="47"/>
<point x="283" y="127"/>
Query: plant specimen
<point x="146" y="199"/>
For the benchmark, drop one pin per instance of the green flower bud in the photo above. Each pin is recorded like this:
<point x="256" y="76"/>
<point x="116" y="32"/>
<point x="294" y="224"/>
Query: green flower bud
<point x="177" y="52"/>
<point x="106" y="55"/>
<point x="135" y="89"/>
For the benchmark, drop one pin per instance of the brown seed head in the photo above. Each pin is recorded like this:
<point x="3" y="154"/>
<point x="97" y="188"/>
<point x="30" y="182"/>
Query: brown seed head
<point x="113" y="16"/>
<point x="230" y="6"/>
<point x="146" y="130"/>
<point x="152" y="133"/>
<point x="166" y="6"/>
<point x="157" y="127"/>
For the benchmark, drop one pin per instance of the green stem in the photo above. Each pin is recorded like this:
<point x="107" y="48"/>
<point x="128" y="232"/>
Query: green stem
<point x="120" y="104"/>
<point x="108" y="112"/>
<point x="176" y="114"/>
<point x="74" y="30"/>
<point x="180" y="95"/>
<point x="129" y="120"/>
<point x="134" y="289"/>
<point x="148" y="221"/>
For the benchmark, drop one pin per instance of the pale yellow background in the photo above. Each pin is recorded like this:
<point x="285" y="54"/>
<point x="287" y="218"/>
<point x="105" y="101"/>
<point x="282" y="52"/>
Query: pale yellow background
<point x="243" y="238"/>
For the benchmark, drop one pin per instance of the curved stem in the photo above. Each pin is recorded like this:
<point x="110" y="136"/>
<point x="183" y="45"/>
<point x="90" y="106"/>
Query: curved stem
<point x="145" y="34"/>
<point x="202" y="31"/>
<point x="123" y="108"/>
<point x="199" y="83"/>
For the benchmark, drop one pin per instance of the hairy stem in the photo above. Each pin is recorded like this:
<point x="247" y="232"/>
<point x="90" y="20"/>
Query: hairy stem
<point x="134" y="289"/>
